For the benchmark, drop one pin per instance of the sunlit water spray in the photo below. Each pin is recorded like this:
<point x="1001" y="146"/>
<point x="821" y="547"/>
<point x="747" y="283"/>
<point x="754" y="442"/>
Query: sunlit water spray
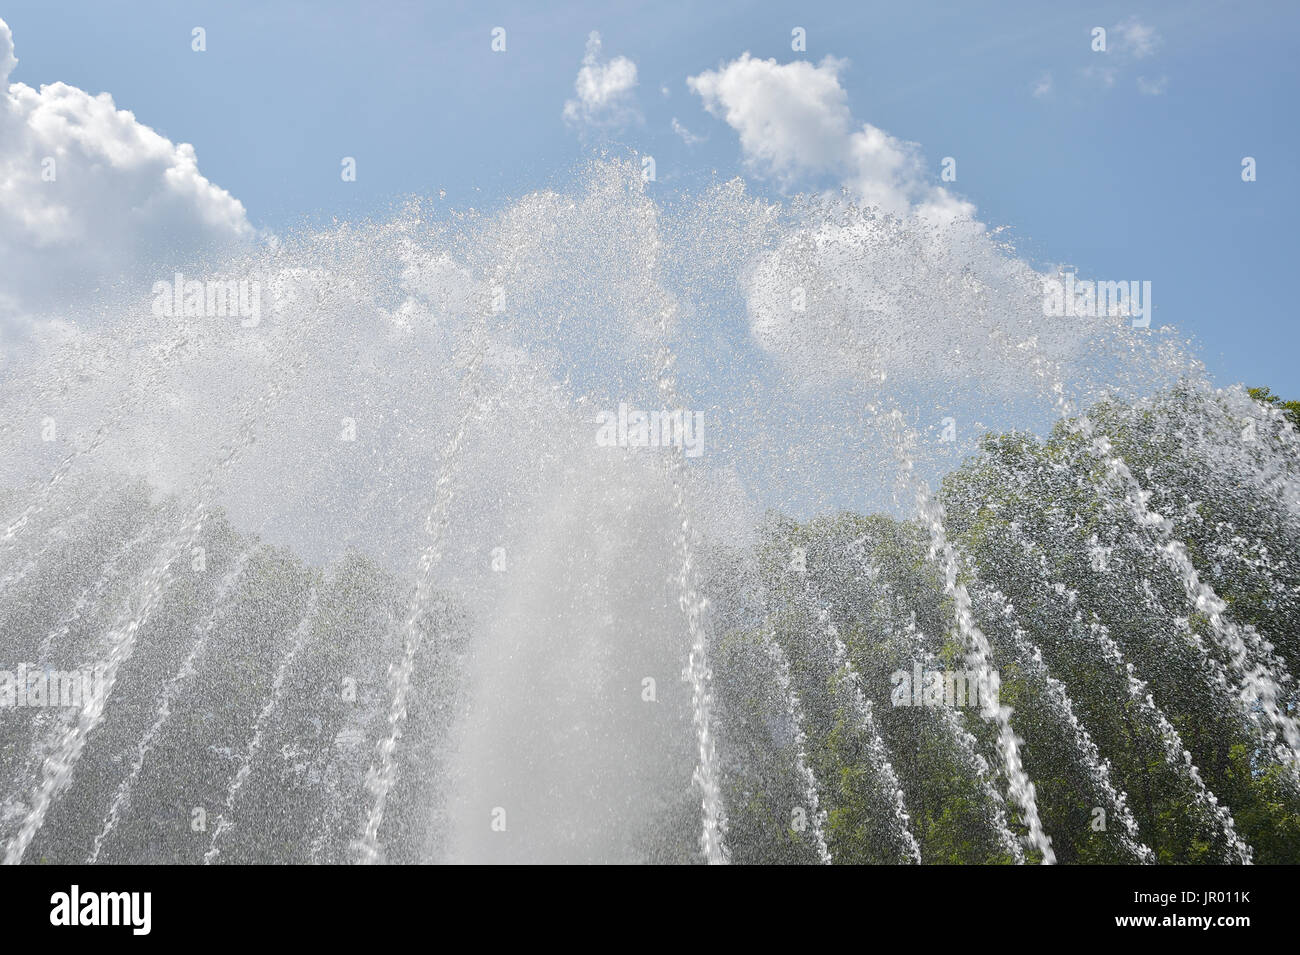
<point x="512" y="642"/>
<point x="167" y="699"/>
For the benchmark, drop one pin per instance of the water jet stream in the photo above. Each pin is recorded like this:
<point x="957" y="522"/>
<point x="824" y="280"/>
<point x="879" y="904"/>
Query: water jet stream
<point x="174" y="686"/>
<point x="979" y="652"/>
<point x="383" y="774"/>
<point x="301" y="635"/>
<point x="1251" y="656"/>
<point x="899" y="822"/>
<point x="120" y="643"/>
<point x="695" y="606"/>
<point x="1098" y="767"/>
<point x="1178" y="757"/>
<point x="794" y="714"/>
<point x="968" y="746"/>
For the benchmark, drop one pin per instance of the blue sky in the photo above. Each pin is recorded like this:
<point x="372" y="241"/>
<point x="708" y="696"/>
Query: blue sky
<point x="1126" y="166"/>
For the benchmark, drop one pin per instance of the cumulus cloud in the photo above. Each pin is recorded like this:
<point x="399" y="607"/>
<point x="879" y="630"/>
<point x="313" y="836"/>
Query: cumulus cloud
<point x="794" y="124"/>
<point x="7" y="59"/>
<point x="89" y="196"/>
<point x="914" y="287"/>
<point x="604" y="89"/>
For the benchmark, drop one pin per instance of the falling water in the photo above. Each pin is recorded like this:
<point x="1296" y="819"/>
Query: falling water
<point x="885" y="772"/>
<point x="56" y="774"/>
<point x="1251" y="657"/>
<point x="561" y="647"/>
<point x="120" y="643"/>
<point x="825" y="641"/>
<point x="794" y="713"/>
<point x="381" y="777"/>
<point x="977" y="646"/>
<point x="1176" y="753"/>
<point x="174" y="686"/>
<point x="976" y="764"/>
<point x="301" y="634"/>
<point x="695" y="607"/>
<point x="1097" y="766"/>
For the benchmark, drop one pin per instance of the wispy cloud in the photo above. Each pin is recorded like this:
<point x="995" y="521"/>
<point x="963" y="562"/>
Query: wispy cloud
<point x="1128" y="41"/>
<point x="688" y="137"/>
<point x="1150" y="87"/>
<point x="1136" y="38"/>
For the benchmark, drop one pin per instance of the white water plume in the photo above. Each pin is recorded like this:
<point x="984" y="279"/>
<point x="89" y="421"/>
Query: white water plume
<point x="371" y="579"/>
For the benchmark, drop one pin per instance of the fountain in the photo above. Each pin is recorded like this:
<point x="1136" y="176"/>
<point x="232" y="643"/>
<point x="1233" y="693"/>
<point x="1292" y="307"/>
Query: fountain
<point x="368" y="582"/>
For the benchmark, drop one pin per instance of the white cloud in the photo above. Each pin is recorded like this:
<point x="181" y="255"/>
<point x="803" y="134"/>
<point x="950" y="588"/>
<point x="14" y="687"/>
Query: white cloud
<point x="913" y="284"/>
<point x="1105" y="75"/>
<point x="1130" y="40"/>
<point x="1043" y="86"/>
<point x="604" y="90"/>
<point x="688" y="137"/>
<point x="1136" y="38"/>
<point x="7" y="59"/>
<point x="794" y="124"/>
<point x="1151" y="87"/>
<point x="89" y="196"/>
